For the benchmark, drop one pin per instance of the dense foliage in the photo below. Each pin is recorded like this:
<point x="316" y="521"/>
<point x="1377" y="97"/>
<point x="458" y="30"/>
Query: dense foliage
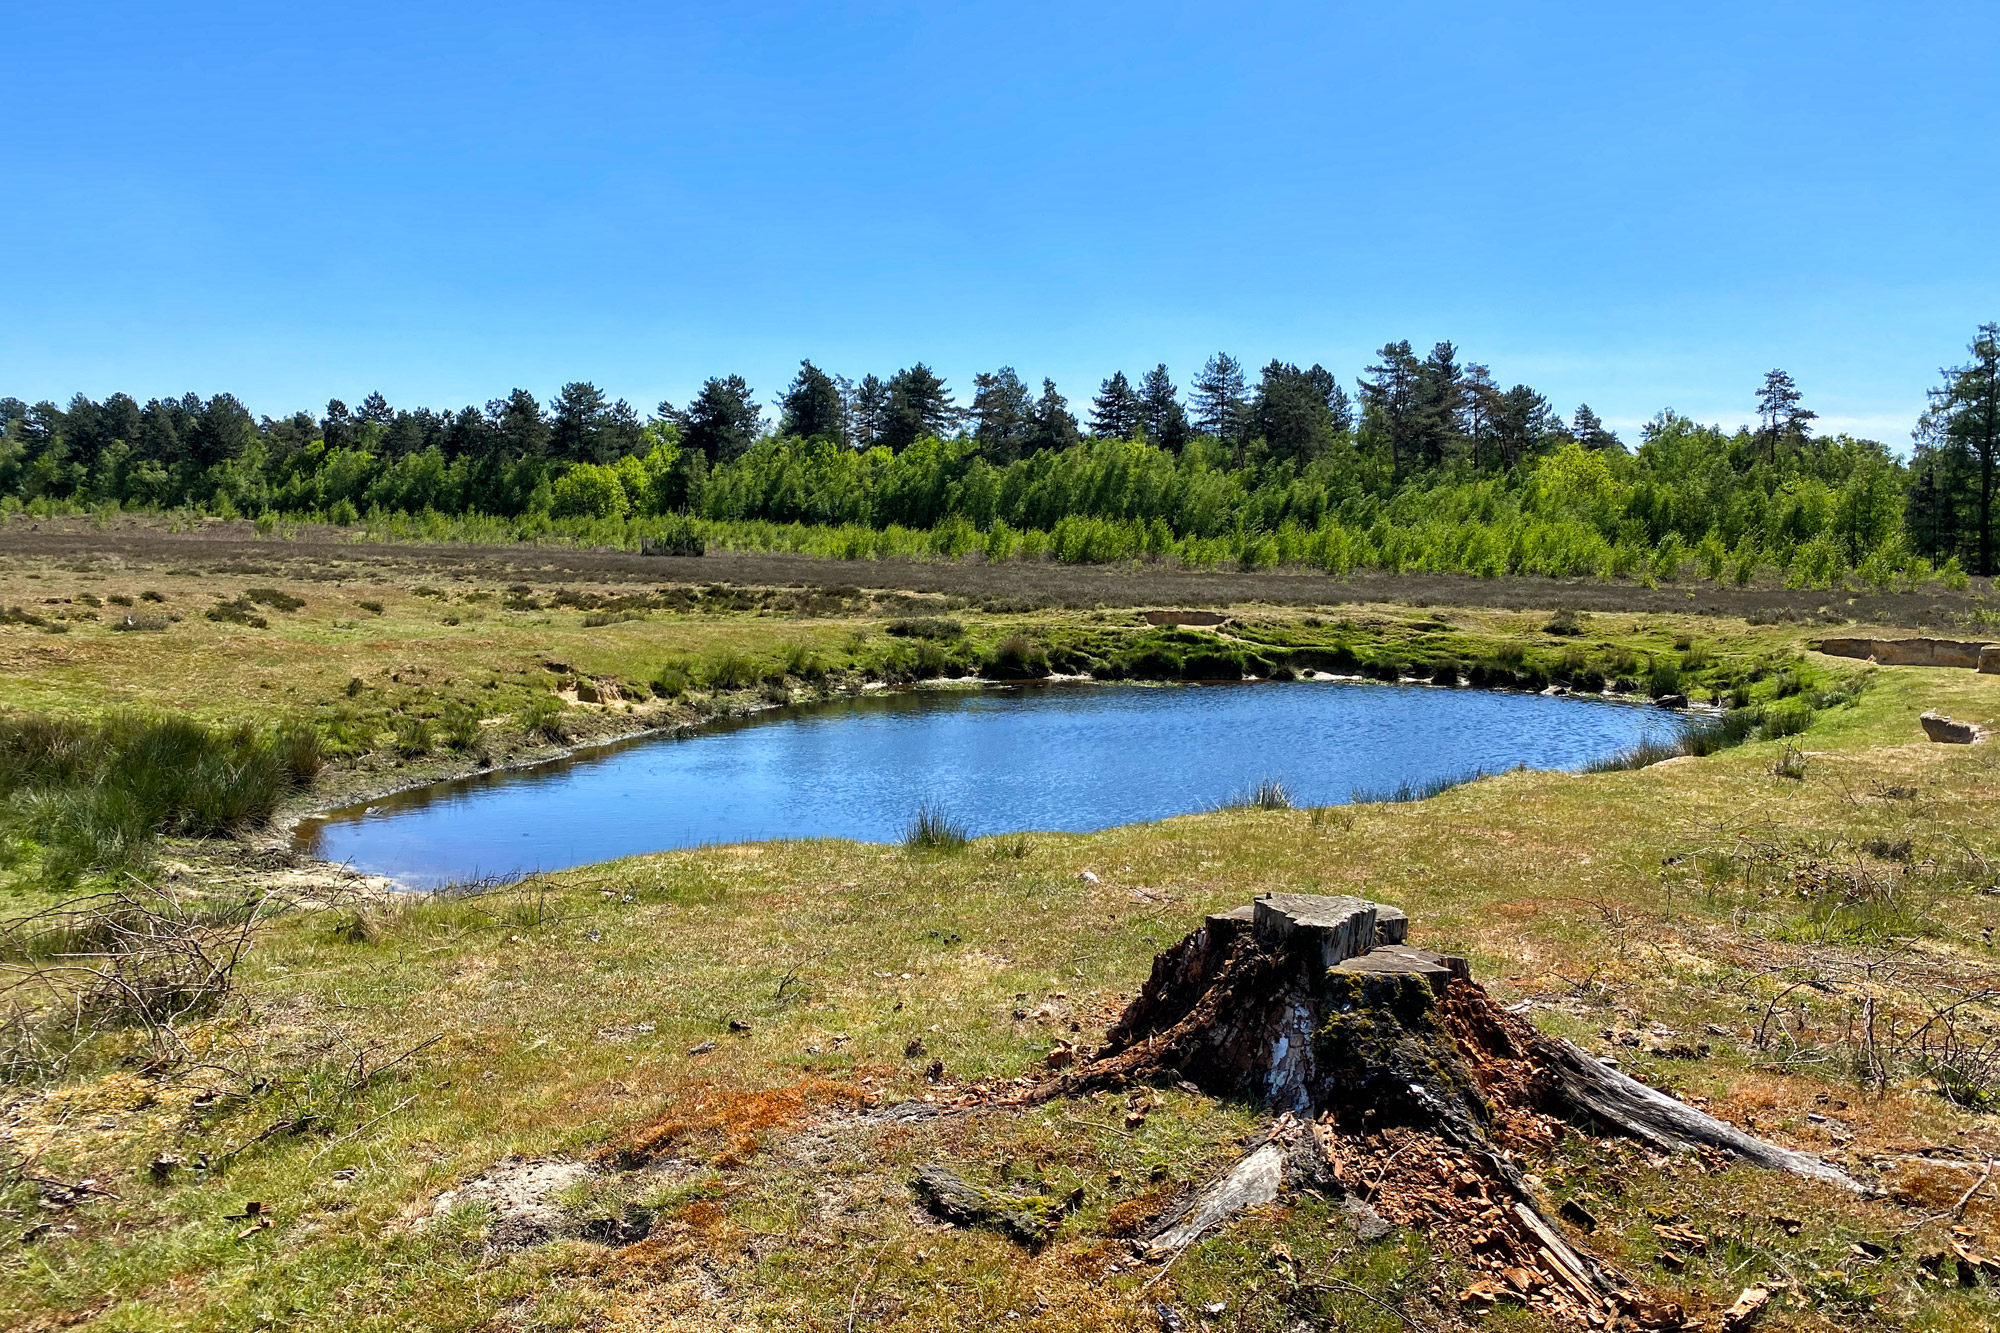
<point x="1430" y="465"/>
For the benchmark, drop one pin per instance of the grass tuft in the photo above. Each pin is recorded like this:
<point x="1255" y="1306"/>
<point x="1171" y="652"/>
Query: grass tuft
<point x="1413" y="791"/>
<point x="931" y="829"/>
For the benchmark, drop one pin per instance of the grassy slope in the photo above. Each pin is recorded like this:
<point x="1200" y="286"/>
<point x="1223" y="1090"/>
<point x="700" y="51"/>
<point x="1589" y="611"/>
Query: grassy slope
<point x="1616" y="900"/>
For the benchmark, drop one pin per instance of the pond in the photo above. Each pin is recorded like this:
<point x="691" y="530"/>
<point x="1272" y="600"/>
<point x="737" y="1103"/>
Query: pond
<point x="1054" y="757"/>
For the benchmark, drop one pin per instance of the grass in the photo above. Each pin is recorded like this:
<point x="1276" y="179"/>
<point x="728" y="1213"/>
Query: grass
<point x="385" y="1051"/>
<point x="1268" y="794"/>
<point x="95" y="795"/>
<point x="932" y="829"/>
<point x="1420" y="790"/>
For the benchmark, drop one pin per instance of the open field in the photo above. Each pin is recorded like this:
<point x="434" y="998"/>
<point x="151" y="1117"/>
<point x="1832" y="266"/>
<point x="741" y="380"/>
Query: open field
<point x="725" y="1035"/>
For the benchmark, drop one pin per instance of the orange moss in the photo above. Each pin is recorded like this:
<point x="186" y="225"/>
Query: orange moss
<point x="735" y="1119"/>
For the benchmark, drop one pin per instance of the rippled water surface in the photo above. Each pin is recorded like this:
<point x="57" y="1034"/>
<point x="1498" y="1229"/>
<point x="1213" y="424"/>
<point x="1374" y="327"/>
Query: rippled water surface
<point x="1056" y="757"/>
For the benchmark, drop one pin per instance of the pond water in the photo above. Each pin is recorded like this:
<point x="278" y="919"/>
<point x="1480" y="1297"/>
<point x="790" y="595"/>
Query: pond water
<point x="1056" y="757"/>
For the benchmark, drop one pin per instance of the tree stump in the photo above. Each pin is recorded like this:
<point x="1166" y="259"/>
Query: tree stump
<point x="1398" y="1082"/>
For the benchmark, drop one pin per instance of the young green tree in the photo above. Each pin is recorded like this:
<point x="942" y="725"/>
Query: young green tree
<point x="812" y="407"/>
<point x="1117" y="411"/>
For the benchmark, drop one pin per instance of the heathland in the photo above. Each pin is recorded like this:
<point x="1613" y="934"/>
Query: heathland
<point x="239" y="1085"/>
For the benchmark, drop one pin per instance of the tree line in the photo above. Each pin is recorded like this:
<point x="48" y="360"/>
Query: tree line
<point x="1421" y="434"/>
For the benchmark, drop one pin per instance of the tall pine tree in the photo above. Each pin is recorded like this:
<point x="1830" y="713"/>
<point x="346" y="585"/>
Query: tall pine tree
<point x="1165" y="419"/>
<point x="812" y="407"/>
<point x="1220" y="407"/>
<point x="1117" y="412"/>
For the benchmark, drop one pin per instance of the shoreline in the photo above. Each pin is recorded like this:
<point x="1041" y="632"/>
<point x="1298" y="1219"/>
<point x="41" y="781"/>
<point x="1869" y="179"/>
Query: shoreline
<point x="281" y="834"/>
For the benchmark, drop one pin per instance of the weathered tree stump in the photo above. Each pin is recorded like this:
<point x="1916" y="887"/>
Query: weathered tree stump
<point x="1372" y="1050"/>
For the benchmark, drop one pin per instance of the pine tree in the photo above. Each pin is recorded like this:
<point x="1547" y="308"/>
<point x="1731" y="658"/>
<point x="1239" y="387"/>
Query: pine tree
<point x="1782" y="420"/>
<point x="723" y="420"/>
<point x="1054" y="425"/>
<point x="1117" y="412"/>
<point x="1961" y="432"/>
<point x="869" y="411"/>
<point x="1522" y="424"/>
<point x="1165" y="419"/>
<point x="919" y="405"/>
<point x="812" y="407"/>
<point x="1220" y="408"/>
<point x="1440" y="396"/>
<point x="1482" y="409"/>
<point x="1003" y="415"/>
<point x="1290" y="413"/>
<point x="1390" y="401"/>
<point x="518" y="420"/>
<point x="1590" y="432"/>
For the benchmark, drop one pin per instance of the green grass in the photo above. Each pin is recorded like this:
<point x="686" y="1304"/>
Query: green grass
<point x="95" y="795"/>
<point x="932" y="829"/>
<point x="739" y="1008"/>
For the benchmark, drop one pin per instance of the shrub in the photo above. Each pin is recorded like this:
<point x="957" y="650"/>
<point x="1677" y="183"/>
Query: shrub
<point x="150" y="596"/>
<point x="671" y="682"/>
<point x="373" y="608"/>
<point x="1663" y="679"/>
<point x="139" y="622"/>
<point x="1566" y="621"/>
<point x="119" y="599"/>
<point x="1211" y="666"/>
<point x="413" y="737"/>
<point x="926" y="627"/>
<point x="97" y="794"/>
<point x="241" y="611"/>
<point x="733" y="671"/>
<point x="1016" y="658"/>
<point x="461" y="725"/>
<point x="545" y="719"/>
<point x="274" y="598"/>
<point x="932" y="830"/>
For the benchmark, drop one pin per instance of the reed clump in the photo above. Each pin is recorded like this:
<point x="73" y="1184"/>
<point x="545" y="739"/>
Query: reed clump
<point x="932" y="829"/>
<point x="94" y="795"/>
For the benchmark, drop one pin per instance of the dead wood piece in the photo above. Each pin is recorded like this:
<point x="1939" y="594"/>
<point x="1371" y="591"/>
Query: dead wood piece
<point x="1028" y="1218"/>
<point x="1632" y="1108"/>
<point x="1325" y="930"/>
<point x="1254" y="1180"/>
<point x="1435" y="968"/>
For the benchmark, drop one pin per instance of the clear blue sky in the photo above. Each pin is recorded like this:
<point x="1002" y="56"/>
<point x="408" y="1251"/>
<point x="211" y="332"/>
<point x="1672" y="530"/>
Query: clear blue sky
<point x="1630" y="205"/>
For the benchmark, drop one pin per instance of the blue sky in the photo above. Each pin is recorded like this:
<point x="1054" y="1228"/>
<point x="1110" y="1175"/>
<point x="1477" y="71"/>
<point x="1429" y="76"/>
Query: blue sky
<point x="1633" y="206"/>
